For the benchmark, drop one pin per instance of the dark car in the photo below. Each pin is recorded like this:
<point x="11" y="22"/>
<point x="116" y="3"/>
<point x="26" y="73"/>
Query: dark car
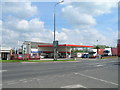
<point x="85" y="56"/>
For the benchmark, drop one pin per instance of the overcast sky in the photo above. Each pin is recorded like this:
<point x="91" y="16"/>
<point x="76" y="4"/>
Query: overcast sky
<point x="81" y="23"/>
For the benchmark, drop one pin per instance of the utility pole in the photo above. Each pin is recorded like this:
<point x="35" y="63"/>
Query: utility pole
<point x="55" y="43"/>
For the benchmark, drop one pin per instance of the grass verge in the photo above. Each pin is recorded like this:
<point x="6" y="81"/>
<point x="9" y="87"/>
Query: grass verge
<point x="109" y="57"/>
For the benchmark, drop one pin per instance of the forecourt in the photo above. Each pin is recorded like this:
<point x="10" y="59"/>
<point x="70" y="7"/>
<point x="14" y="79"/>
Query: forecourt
<point x="75" y="74"/>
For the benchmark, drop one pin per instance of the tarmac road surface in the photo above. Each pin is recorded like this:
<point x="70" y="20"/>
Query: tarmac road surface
<point x="81" y="74"/>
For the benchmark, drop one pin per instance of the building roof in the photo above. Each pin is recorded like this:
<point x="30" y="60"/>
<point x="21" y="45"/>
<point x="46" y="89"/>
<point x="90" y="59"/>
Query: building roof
<point x="67" y="45"/>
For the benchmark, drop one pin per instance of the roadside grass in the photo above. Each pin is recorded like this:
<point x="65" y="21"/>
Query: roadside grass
<point x="11" y="61"/>
<point x="109" y="57"/>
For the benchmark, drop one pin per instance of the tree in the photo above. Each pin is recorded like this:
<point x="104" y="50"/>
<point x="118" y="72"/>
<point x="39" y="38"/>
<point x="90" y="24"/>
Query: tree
<point x="101" y="46"/>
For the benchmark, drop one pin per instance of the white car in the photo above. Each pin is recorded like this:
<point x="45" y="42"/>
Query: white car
<point x="41" y="56"/>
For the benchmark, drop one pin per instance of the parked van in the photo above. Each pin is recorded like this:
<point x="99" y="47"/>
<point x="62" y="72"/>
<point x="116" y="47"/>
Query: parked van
<point x="92" y="53"/>
<point x="107" y="52"/>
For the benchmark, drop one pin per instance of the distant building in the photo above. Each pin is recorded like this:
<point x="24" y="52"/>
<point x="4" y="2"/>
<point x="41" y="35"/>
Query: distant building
<point x="5" y="53"/>
<point x="118" y="46"/>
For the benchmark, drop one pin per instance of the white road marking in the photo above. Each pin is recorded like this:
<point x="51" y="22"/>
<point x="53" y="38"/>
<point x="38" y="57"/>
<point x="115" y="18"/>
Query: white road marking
<point x="104" y="62"/>
<point x="9" y="81"/>
<point x="96" y="79"/>
<point x="19" y="81"/>
<point x="3" y="70"/>
<point x="74" y="86"/>
<point x="99" y="65"/>
<point x="34" y="78"/>
<point x="22" y="80"/>
<point x="25" y="81"/>
<point x="107" y="62"/>
<point x="38" y="79"/>
<point x="12" y="83"/>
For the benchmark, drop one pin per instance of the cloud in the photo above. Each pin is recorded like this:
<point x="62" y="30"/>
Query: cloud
<point x="83" y="14"/>
<point x="23" y="25"/>
<point x="15" y="30"/>
<point x="77" y="18"/>
<point x="118" y="34"/>
<point x="0" y="31"/>
<point x="16" y="27"/>
<point x="86" y="37"/>
<point x="30" y="26"/>
<point x="74" y="36"/>
<point x="19" y="9"/>
<point x="9" y="38"/>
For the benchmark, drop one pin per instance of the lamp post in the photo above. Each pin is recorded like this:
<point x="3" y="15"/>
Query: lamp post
<point x="23" y="51"/>
<point x="97" y="47"/>
<point x="98" y="56"/>
<point x="55" y="43"/>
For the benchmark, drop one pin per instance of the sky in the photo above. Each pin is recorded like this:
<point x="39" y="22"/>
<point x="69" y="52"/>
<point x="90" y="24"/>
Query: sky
<point x="81" y="23"/>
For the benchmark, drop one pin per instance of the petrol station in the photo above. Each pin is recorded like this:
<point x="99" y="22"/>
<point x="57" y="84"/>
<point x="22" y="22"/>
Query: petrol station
<point x="37" y="50"/>
<point x="46" y="50"/>
<point x="64" y="50"/>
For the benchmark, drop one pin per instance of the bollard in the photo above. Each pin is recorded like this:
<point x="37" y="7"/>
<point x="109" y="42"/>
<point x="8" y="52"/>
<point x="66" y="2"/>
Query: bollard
<point x="74" y="58"/>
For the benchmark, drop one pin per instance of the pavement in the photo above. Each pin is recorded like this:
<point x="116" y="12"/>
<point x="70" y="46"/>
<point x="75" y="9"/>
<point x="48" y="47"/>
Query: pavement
<point x="81" y="74"/>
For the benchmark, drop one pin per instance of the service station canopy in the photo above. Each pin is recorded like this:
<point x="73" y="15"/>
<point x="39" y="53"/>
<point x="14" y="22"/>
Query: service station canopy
<point x="67" y="45"/>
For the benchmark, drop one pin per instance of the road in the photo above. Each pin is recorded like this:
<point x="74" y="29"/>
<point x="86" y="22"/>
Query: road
<point x="77" y="74"/>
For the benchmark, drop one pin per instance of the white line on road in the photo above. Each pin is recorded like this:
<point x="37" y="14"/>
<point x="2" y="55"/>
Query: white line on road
<point x="74" y="86"/>
<point x="34" y="78"/>
<point x="107" y="62"/>
<point x="13" y="83"/>
<point x="103" y="62"/>
<point x="99" y="65"/>
<point x="96" y="79"/>
<point x="9" y="81"/>
<point x="3" y="70"/>
<point x="38" y="79"/>
<point x="23" y="80"/>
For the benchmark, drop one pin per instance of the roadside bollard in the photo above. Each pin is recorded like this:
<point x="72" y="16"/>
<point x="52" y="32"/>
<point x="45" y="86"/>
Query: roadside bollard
<point x="74" y="58"/>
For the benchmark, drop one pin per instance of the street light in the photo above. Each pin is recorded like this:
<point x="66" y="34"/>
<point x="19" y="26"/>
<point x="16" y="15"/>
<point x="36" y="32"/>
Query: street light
<point x="55" y="43"/>
<point x="98" y="56"/>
